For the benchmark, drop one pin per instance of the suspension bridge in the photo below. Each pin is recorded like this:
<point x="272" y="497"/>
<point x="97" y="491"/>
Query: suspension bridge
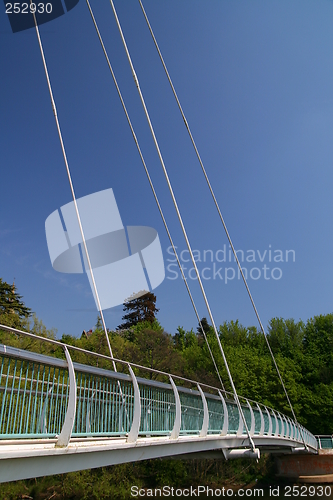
<point x="58" y="415"/>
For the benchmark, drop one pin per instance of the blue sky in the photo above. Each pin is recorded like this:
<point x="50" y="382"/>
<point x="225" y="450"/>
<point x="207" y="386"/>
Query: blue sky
<point x="255" y="80"/>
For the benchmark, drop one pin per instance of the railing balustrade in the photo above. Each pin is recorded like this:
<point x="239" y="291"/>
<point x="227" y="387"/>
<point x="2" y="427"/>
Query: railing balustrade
<point x="47" y="397"/>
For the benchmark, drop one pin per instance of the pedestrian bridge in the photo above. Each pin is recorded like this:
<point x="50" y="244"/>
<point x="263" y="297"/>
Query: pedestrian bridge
<point x="58" y="415"/>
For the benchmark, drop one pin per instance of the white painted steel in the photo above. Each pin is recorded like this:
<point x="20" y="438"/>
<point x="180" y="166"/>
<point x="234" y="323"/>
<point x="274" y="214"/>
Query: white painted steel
<point x="262" y="422"/>
<point x="292" y="429"/>
<point x="270" y="426"/>
<point x="253" y="422"/>
<point x="242" y="453"/>
<point x="178" y="418"/>
<point x="34" y="460"/>
<point x="224" y="431"/>
<point x="205" y="423"/>
<point x="276" y="433"/>
<point x="67" y="428"/>
<point x="33" y="457"/>
<point x="134" y="432"/>
<point x="286" y="423"/>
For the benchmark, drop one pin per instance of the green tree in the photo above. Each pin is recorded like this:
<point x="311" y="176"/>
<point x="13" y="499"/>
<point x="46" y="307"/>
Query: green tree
<point x="154" y="349"/>
<point x="12" y="309"/>
<point x="141" y="309"/>
<point x="183" y="339"/>
<point x="10" y="300"/>
<point x="205" y="326"/>
<point x="286" y="336"/>
<point x="99" y="325"/>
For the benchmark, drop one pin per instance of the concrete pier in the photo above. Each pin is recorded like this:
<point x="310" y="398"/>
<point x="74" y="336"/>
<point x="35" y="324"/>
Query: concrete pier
<point x="307" y="468"/>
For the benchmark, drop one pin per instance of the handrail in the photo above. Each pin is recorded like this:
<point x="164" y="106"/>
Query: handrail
<point x="109" y="358"/>
<point x="84" y="368"/>
<point x="135" y="365"/>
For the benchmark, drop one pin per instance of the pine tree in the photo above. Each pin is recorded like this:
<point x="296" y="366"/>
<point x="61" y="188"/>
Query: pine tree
<point x="10" y="301"/>
<point x="138" y="310"/>
<point x="99" y="325"/>
<point x="205" y="326"/>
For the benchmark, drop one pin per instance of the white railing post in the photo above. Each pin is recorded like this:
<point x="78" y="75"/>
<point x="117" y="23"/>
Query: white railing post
<point x="262" y="421"/>
<point x="283" y="429"/>
<point x="287" y="431"/>
<point x="253" y="422"/>
<point x="205" y="423"/>
<point x="67" y="428"/>
<point x="240" y="424"/>
<point x="178" y="417"/>
<point x="134" y="432"/>
<point x="270" y="425"/>
<point x="291" y="433"/>
<point x="224" y="431"/>
<point x="276" y="433"/>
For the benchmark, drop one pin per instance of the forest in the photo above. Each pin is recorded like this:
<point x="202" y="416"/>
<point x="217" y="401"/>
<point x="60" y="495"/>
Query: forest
<point x="303" y="352"/>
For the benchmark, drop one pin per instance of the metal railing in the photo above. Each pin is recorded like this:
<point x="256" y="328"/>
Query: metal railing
<point x="325" y="442"/>
<point x="42" y="396"/>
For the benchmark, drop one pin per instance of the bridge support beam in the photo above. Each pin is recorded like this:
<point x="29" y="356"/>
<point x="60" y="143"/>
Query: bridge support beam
<point x="43" y="460"/>
<point x="241" y="453"/>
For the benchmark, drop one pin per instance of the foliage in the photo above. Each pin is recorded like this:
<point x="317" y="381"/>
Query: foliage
<point x="141" y="309"/>
<point x="13" y="312"/>
<point x="304" y="355"/>
<point x="115" y="482"/>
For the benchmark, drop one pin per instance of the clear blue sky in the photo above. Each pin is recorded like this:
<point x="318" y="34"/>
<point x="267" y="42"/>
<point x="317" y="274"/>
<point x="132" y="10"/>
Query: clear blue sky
<point x="256" y="82"/>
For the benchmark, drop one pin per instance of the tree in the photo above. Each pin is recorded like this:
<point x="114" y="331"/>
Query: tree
<point x="99" y="325"/>
<point x="138" y="310"/>
<point x="154" y="349"/>
<point x="11" y="305"/>
<point x="205" y="325"/>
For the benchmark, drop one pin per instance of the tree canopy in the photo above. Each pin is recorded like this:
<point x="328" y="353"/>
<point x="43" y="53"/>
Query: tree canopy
<point x="12" y="308"/>
<point x="141" y="309"/>
<point x="303" y="351"/>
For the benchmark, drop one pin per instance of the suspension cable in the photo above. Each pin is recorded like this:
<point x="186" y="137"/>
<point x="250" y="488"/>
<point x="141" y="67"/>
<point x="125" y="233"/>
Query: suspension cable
<point x="218" y="208"/>
<point x="71" y="185"/>
<point x="152" y="188"/>
<point x="182" y="225"/>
